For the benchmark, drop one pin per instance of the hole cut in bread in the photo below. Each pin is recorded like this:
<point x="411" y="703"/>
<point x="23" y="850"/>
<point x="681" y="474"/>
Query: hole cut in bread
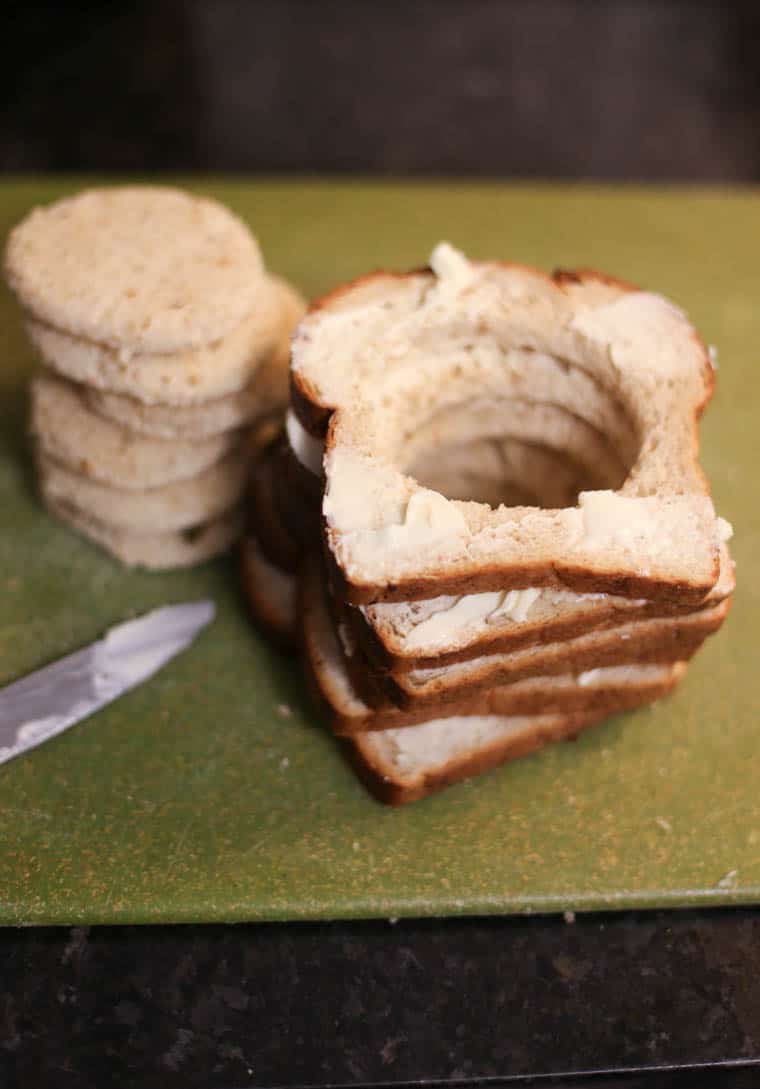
<point x="513" y="454"/>
<point x="389" y="369"/>
<point x="445" y="629"/>
<point x="499" y="471"/>
<point x="536" y="402"/>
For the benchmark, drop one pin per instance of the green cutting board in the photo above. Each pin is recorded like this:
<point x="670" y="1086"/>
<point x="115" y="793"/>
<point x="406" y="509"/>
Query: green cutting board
<point x="212" y="792"/>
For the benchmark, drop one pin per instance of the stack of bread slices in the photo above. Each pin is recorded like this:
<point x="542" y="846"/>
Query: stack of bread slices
<point x="163" y="343"/>
<point x="487" y="528"/>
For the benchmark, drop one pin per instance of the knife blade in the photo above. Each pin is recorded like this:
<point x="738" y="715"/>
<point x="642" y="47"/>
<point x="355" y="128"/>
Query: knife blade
<point x="48" y="701"/>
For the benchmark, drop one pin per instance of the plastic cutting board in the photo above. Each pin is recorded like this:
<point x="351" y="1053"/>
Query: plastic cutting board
<point x="212" y="792"/>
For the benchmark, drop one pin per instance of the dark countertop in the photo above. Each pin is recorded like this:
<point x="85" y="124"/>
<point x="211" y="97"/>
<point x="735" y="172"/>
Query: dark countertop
<point x="356" y="1003"/>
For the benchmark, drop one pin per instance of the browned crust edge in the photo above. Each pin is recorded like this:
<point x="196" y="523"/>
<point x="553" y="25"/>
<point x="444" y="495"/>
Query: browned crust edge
<point x="277" y="544"/>
<point x="397" y="793"/>
<point x="602" y="618"/>
<point x="652" y="648"/>
<point x="503" y="700"/>
<point x="315" y="414"/>
<point x="296" y="503"/>
<point x="284" y="636"/>
<point x="495" y="577"/>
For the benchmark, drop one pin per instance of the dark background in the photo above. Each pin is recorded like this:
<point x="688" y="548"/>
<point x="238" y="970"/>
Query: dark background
<point x="625" y="89"/>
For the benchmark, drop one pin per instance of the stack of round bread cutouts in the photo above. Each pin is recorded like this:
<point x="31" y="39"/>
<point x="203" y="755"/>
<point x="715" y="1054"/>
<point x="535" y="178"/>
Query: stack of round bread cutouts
<point x="164" y="346"/>
<point x="487" y="528"/>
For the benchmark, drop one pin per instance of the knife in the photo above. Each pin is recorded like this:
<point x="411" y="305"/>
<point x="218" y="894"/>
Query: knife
<point x="48" y="701"/>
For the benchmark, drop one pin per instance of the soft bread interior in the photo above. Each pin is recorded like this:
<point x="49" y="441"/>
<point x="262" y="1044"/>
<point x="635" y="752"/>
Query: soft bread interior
<point x="612" y="378"/>
<point x="70" y="433"/>
<point x="409" y="752"/>
<point x="171" y="507"/>
<point x="457" y="624"/>
<point x="535" y="398"/>
<point x="499" y="470"/>
<point x="156" y="551"/>
<point x="194" y="421"/>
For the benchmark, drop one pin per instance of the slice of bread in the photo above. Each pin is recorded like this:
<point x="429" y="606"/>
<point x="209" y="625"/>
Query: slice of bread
<point x="169" y="508"/>
<point x="72" y="435"/>
<point x="660" y="640"/>
<point x="270" y="591"/>
<point x="443" y="630"/>
<point x="196" y="421"/>
<point x="596" y="691"/>
<point x="144" y="268"/>
<point x="447" y="629"/>
<point x="155" y="551"/>
<point x="408" y="764"/>
<point x="254" y="349"/>
<point x="376" y="362"/>
<point x="278" y="545"/>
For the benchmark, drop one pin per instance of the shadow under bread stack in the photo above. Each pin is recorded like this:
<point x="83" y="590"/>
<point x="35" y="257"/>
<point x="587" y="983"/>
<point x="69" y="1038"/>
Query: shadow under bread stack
<point x="164" y="343"/>
<point x="487" y="528"/>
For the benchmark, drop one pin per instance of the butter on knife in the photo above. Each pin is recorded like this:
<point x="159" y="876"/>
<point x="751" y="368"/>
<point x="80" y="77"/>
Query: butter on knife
<point x="48" y="701"/>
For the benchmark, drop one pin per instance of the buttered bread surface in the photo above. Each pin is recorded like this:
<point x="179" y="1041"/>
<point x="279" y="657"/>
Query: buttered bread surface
<point x="407" y="389"/>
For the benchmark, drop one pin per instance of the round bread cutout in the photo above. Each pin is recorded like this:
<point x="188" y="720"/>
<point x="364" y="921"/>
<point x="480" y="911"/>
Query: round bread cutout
<point x="139" y="268"/>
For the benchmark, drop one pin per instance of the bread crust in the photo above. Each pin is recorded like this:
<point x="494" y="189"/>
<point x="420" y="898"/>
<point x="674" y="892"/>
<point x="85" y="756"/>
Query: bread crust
<point x="378" y="779"/>
<point x="648" y="642"/>
<point x="321" y="646"/>
<point x="518" y="577"/>
<point x="597" y="615"/>
<point x="460" y="575"/>
<point x="278" y="546"/>
<point x="315" y="414"/>
<point x="255" y="573"/>
<point x="296" y="503"/>
<point x="516" y="699"/>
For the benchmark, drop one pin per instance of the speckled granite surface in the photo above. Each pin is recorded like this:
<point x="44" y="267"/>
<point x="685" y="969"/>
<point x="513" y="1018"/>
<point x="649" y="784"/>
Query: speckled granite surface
<point x="338" y="1004"/>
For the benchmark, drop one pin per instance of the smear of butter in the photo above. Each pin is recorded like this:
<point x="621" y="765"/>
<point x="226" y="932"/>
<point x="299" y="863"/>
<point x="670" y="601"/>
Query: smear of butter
<point x="133" y="652"/>
<point x="452" y="269"/>
<point x="458" y="614"/>
<point x="429" y="516"/>
<point x="308" y="450"/>
<point x="590" y="676"/>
